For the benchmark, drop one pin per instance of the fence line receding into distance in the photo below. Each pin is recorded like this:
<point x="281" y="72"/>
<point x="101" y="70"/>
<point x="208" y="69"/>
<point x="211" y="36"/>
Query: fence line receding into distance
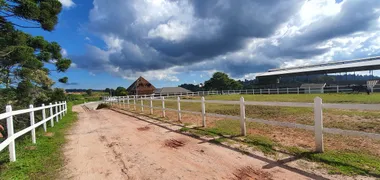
<point x="317" y="106"/>
<point x="60" y="109"/>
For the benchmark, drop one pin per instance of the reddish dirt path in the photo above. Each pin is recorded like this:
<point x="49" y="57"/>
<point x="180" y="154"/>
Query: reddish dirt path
<point x="104" y="144"/>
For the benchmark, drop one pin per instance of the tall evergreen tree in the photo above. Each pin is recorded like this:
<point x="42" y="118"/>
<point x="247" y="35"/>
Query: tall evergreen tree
<point x="24" y="78"/>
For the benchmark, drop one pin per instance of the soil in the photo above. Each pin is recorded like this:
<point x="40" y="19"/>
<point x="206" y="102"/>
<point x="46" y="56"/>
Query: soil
<point x="104" y="144"/>
<point x="145" y="128"/>
<point x="174" y="143"/>
<point x="49" y="134"/>
<point x="249" y="173"/>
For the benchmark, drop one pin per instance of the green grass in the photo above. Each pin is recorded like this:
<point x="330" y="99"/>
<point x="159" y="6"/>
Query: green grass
<point x="38" y="161"/>
<point x="336" y="162"/>
<point x="342" y="162"/>
<point x="327" y="98"/>
<point x="333" y="118"/>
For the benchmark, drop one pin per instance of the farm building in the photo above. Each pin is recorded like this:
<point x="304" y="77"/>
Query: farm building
<point x="141" y="87"/>
<point x="171" y="90"/>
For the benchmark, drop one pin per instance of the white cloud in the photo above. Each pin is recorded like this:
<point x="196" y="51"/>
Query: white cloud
<point x="64" y="52"/>
<point x="73" y="65"/>
<point x="159" y="39"/>
<point x="161" y="75"/>
<point x="87" y="39"/>
<point x="67" y="3"/>
<point x="92" y="74"/>
<point x="312" y="11"/>
<point x="173" y="31"/>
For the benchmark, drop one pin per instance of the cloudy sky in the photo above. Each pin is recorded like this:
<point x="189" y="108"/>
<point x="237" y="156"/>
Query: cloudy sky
<point x="170" y="42"/>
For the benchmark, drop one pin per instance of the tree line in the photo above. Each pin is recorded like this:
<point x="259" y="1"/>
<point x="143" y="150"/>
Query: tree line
<point x="26" y="61"/>
<point x="218" y="81"/>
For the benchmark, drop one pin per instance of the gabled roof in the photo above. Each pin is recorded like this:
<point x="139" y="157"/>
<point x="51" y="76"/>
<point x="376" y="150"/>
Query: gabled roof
<point x="169" y="90"/>
<point x="140" y="83"/>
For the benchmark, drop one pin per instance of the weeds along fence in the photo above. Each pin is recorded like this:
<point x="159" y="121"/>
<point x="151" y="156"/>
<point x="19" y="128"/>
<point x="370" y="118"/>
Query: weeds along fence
<point x="55" y="111"/>
<point x="317" y="106"/>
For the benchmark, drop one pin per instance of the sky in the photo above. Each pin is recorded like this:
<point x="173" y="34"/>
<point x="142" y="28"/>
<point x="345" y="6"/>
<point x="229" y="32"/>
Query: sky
<point x="170" y="42"/>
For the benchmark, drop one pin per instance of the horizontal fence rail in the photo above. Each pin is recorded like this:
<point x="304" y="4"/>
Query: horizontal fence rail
<point x="127" y="101"/>
<point x="56" y="111"/>
<point x="264" y="91"/>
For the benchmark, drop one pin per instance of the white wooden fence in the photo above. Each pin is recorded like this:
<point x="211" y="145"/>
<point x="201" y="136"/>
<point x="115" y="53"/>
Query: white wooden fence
<point x="317" y="105"/>
<point x="59" y="109"/>
<point x="263" y="91"/>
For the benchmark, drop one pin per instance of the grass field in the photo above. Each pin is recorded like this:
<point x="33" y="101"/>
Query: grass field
<point x="344" y="154"/>
<point x="368" y="121"/>
<point x="41" y="160"/>
<point x="328" y="98"/>
<point x="336" y="161"/>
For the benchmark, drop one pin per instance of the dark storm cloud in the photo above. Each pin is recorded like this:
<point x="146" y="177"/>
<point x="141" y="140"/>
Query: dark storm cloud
<point x="216" y="28"/>
<point x="355" y="16"/>
<point x="233" y="23"/>
<point x="237" y="21"/>
<point x="236" y="66"/>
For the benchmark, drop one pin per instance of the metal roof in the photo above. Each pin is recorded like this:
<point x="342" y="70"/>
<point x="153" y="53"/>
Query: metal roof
<point x="371" y="63"/>
<point x="169" y="90"/>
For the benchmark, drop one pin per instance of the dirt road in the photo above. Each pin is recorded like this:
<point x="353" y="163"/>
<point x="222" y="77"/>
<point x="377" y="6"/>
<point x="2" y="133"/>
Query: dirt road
<point x="104" y="144"/>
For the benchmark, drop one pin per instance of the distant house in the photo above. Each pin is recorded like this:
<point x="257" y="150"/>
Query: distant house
<point x="141" y="87"/>
<point x="171" y="90"/>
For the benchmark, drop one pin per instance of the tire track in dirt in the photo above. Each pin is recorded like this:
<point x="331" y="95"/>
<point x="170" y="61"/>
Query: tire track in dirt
<point x="117" y="155"/>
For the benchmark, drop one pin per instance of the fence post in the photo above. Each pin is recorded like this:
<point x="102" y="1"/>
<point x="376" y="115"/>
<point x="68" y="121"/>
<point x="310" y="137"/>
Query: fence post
<point x="134" y="103"/>
<point x="287" y="90"/>
<point x="253" y="91"/>
<point x="123" y="101"/>
<point x="337" y="88"/>
<point x="278" y="91"/>
<point x="33" y="131"/>
<point x="261" y="91"/>
<point x="179" y="108"/>
<point x="298" y="90"/>
<point x="56" y="111"/>
<point x="318" y="124"/>
<point x="163" y="106"/>
<point x="309" y="89"/>
<point x="242" y="117"/>
<point x="128" y="102"/>
<point x="51" y="114"/>
<point x="11" y="146"/>
<point x="268" y="91"/>
<point x="44" y="117"/>
<point x="60" y="109"/>
<point x="64" y="107"/>
<point x="203" y="112"/>
<point x="151" y="105"/>
<point x="142" y="104"/>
